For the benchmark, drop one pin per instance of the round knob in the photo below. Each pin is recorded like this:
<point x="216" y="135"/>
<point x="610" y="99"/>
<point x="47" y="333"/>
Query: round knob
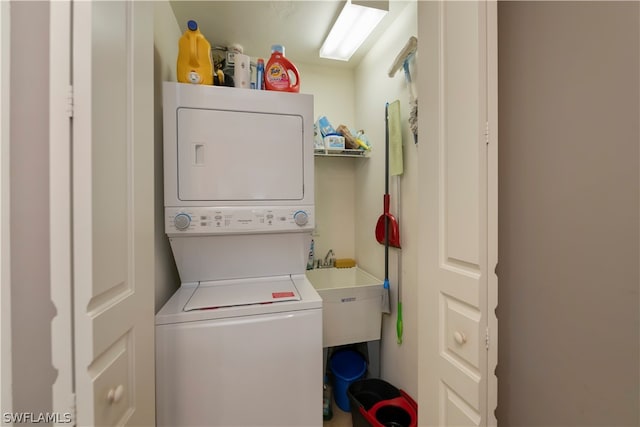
<point x="460" y="337"/>
<point x="182" y="221"/>
<point x="301" y="218"/>
<point x="115" y="394"/>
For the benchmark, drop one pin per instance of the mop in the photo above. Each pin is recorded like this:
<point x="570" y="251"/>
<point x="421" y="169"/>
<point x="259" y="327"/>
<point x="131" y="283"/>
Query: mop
<point x="402" y="61"/>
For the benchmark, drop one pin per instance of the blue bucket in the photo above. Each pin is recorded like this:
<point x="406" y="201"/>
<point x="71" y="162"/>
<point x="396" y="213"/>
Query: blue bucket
<point x="347" y="366"/>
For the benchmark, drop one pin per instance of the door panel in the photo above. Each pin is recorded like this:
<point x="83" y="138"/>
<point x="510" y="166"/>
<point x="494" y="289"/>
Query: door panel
<point x="456" y="411"/>
<point x="111" y="374"/>
<point x="462" y="98"/>
<point x="455" y="166"/>
<point x="110" y="144"/>
<point x="112" y="212"/>
<point x="461" y="337"/>
<point x="231" y="155"/>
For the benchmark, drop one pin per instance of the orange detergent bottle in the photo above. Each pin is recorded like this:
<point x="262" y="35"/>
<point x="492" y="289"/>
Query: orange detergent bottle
<point x="194" y="57"/>
<point x="280" y="73"/>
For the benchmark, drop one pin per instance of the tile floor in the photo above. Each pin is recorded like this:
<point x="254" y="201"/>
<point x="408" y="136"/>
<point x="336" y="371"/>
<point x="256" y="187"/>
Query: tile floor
<point x="340" y="418"/>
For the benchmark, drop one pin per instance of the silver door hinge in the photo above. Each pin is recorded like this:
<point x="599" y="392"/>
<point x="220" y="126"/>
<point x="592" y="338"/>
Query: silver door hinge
<point x="486" y="339"/>
<point x="70" y="101"/>
<point x="486" y="133"/>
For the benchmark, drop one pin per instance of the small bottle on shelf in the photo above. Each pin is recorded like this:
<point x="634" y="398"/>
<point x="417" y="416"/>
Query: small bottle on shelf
<point x="260" y="74"/>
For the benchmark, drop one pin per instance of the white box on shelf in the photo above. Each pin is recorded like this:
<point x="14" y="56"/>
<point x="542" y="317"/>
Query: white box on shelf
<point x="334" y="142"/>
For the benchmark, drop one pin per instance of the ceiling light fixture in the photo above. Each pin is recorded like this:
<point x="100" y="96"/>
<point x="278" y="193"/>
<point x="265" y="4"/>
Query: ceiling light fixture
<point x="355" y="23"/>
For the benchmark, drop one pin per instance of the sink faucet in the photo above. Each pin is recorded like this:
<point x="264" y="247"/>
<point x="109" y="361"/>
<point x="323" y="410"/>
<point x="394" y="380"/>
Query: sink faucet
<point x="327" y="261"/>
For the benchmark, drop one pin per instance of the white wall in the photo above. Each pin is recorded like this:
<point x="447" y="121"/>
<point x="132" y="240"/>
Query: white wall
<point x="373" y="89"/>
<point x="166" y="33"/>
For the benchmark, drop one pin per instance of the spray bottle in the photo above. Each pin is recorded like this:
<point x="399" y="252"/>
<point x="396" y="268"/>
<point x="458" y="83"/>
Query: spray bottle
<point x="311" y="256"/>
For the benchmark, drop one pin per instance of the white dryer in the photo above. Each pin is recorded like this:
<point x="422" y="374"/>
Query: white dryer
<point x="240" y="343"/>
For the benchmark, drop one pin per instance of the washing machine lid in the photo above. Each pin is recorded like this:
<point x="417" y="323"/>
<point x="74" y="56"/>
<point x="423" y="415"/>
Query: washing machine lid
<point x="242" y="292"/>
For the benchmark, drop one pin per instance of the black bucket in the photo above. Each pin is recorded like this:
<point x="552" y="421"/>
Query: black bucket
<point x="367" y="393"/>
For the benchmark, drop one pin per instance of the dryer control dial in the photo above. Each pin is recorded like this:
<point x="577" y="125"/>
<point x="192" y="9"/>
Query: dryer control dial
<point x="301" y="218"/>
<point x="182" y="221"/>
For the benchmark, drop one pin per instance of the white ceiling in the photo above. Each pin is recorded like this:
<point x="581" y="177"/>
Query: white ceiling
<point x="300" y="25"/>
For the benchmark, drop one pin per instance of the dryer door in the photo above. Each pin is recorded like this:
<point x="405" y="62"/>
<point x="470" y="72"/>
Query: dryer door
<point x="239" y="156"/>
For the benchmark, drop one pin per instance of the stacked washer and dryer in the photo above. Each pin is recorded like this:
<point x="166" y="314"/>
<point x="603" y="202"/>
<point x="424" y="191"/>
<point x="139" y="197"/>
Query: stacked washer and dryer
<point x="240" y="342"/>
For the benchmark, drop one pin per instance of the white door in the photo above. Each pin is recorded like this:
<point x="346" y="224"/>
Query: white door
<point x="458" y="167"/>
<point x="109" y="166"/>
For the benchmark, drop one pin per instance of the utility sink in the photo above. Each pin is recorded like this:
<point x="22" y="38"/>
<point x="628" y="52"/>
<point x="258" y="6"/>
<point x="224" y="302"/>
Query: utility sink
<point x="351" y="305"/>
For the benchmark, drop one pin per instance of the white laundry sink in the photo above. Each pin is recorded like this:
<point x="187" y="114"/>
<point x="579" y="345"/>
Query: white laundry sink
<point x="351" y="305"/>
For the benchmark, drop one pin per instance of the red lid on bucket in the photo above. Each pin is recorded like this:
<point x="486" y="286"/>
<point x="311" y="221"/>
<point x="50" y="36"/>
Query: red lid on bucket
<point x="398" y="412"/>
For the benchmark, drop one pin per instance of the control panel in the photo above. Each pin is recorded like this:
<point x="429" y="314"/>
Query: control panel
<point x="209" y="220"/>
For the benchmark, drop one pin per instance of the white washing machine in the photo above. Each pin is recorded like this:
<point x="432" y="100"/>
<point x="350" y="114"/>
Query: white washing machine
<point x="240" y="343"/>
<point x="253" y="360"/>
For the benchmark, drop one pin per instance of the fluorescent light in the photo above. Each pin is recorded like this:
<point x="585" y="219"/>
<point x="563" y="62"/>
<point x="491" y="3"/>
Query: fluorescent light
<point x="351" y="29"/>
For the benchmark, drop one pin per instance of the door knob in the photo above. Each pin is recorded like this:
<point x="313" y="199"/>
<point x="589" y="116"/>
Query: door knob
<point x="115" y="394"/>
<point x="460" y="337"/>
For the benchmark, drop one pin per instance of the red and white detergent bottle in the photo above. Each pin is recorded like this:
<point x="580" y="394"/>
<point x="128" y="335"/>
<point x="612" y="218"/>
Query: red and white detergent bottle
<point x="280" y="73"/>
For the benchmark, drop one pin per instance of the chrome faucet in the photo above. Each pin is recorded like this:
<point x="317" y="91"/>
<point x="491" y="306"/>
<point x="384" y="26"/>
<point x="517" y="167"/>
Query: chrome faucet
<point x="328" y="262"/>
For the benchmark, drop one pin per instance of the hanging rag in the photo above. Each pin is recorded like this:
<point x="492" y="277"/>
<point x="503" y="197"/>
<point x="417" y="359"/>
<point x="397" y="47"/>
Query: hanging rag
<point x="395" y="140"/>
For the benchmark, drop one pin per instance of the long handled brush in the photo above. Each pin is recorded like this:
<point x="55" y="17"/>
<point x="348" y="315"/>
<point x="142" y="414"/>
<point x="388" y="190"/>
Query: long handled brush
<point x="386" y="304"/>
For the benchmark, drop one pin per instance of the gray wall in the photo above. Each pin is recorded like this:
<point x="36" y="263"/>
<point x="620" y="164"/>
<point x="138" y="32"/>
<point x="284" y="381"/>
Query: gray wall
<point x="32" y="309"/>
<point x="568" y="208"/>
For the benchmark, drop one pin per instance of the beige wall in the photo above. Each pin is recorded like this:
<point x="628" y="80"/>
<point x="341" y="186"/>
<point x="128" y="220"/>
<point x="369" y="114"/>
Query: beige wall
<point x="568" y="210"/>
<point x="31" y="306"/>
<point x="335" y="185"/>
<point x="399" y="363"/>
<point x="5" y="277"/>
<point x="166" y="33"/>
